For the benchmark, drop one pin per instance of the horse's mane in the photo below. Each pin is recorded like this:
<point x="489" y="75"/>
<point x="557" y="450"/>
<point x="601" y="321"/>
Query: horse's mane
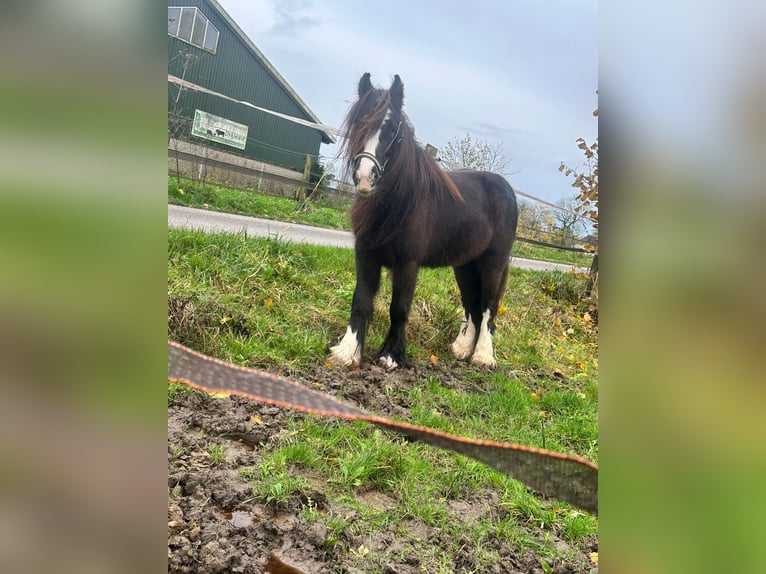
<point x="411" y="178"/>
<point x="411" y="167"/>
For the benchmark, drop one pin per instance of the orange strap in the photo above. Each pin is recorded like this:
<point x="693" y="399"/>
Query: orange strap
<point x="568" y="478"/>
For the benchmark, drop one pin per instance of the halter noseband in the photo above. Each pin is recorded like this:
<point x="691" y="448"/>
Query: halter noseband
<point x="373" y="158"/>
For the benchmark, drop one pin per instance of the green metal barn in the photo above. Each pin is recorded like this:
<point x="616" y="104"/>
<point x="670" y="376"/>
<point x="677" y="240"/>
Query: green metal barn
<point x="207" y="48"/>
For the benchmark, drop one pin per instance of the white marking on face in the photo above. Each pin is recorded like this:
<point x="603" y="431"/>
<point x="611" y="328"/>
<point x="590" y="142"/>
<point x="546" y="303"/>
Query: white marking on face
<point x="387" y="363"/>
<point x="462" y="347"/>
<point x="364" y="170"/>
<point x="348" y="352"/>
<point x="483" y="354"/>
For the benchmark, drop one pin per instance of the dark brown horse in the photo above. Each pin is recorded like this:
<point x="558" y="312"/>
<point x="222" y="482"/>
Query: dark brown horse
<point x="409" y="213"/>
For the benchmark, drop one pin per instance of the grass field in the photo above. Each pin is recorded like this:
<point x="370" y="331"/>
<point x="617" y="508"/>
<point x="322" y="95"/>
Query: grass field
<point x="277" y="306"/>
<point x="195" y="194"/>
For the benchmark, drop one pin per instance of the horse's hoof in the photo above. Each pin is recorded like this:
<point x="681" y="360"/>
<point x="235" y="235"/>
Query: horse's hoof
<point x="484" y="362"/>
<point x="340" y="359"/>
<point x="387" y="362"/>
<point x="348" y="352"/>
<point x="460" y="351"/>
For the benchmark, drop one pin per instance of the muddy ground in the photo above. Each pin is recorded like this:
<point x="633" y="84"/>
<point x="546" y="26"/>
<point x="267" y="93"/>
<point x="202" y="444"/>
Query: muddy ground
<point x="216" y="525"/>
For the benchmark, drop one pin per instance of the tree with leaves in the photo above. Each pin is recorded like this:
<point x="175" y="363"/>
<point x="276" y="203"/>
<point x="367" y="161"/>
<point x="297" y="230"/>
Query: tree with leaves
<point x="535" y="221"/>
<point x="477" y="154"/>
<point x="567" y="221"/>
<point x="585" y="181"/>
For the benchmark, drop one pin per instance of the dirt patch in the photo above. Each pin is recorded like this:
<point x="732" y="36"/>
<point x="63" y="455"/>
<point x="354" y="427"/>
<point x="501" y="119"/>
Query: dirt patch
<point x="217" y="524"/>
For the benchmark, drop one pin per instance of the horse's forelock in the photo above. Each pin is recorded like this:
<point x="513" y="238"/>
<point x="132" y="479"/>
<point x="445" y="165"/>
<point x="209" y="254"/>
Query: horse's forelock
<point x="363" y="119"/>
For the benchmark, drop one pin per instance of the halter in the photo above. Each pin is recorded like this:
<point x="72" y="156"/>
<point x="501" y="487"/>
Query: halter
<point x="373" y="158"/>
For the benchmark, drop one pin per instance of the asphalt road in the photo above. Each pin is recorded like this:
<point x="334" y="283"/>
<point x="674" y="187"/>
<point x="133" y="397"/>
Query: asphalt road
<point x="212" y="221"/>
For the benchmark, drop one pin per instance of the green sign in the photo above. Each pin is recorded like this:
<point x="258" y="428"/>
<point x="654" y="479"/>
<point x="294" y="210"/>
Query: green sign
<point x="219" y="129"/>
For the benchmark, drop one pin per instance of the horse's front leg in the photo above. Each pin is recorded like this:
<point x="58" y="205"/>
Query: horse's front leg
<point x="393" y="352"/>
<point x="348" y="352"/>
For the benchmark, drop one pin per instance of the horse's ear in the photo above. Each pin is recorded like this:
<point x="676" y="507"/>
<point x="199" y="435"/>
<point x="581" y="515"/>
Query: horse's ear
<point x="364" y="84"/>
<point x="397" y="93"/>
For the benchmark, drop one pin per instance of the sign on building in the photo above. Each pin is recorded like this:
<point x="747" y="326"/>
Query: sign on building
<point x="219" y="129"/>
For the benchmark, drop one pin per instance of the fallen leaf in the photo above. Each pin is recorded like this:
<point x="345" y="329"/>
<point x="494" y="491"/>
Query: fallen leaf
<point x="594" y="557"/>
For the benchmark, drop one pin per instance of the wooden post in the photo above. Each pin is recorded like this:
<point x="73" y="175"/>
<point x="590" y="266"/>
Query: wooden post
<point x="306" y="175"/>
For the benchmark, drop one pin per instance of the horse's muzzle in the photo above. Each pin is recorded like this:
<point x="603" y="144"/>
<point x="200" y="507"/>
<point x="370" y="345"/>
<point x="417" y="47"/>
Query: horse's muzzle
<point x="365" y="186"/>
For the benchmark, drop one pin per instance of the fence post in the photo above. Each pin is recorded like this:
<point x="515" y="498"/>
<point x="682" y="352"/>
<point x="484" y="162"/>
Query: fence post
<point x="301" y="196"/>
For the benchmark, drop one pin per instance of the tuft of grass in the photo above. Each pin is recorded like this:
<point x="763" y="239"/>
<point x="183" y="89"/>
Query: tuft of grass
<point x="275" y="484"/>
<point x="310" y="511"/>
<point x="562" y="287"/>
<point x="179" y="391"/>
<point x="217" y="454"/>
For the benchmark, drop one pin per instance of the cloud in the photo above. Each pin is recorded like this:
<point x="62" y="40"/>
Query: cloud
<point x="286" y="18"/>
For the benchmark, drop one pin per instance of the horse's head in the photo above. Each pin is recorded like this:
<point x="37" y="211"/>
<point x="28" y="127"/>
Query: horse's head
<point x="373" y="128"/>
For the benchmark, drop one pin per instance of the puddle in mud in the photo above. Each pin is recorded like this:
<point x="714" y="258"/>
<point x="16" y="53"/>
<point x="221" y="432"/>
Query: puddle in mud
<point x="241" y="517"/>
<point x="237" y="447"/>
<point x="239" y="443"/>
<point x="245" y="516"/>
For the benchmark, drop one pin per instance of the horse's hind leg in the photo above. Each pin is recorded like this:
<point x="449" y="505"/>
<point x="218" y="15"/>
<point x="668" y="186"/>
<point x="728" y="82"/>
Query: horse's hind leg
<point x="393" y="352"/>
<point x="348" y="352"/>
<point x="470" y="294"/>
<point x="494" y="276"/>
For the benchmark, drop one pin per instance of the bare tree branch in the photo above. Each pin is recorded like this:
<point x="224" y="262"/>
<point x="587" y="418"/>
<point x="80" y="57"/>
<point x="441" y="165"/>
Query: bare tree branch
<point x="477" y="154"/>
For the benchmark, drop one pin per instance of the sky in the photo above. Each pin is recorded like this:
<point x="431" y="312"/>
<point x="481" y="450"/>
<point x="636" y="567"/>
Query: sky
<point x="520" y="73"/>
